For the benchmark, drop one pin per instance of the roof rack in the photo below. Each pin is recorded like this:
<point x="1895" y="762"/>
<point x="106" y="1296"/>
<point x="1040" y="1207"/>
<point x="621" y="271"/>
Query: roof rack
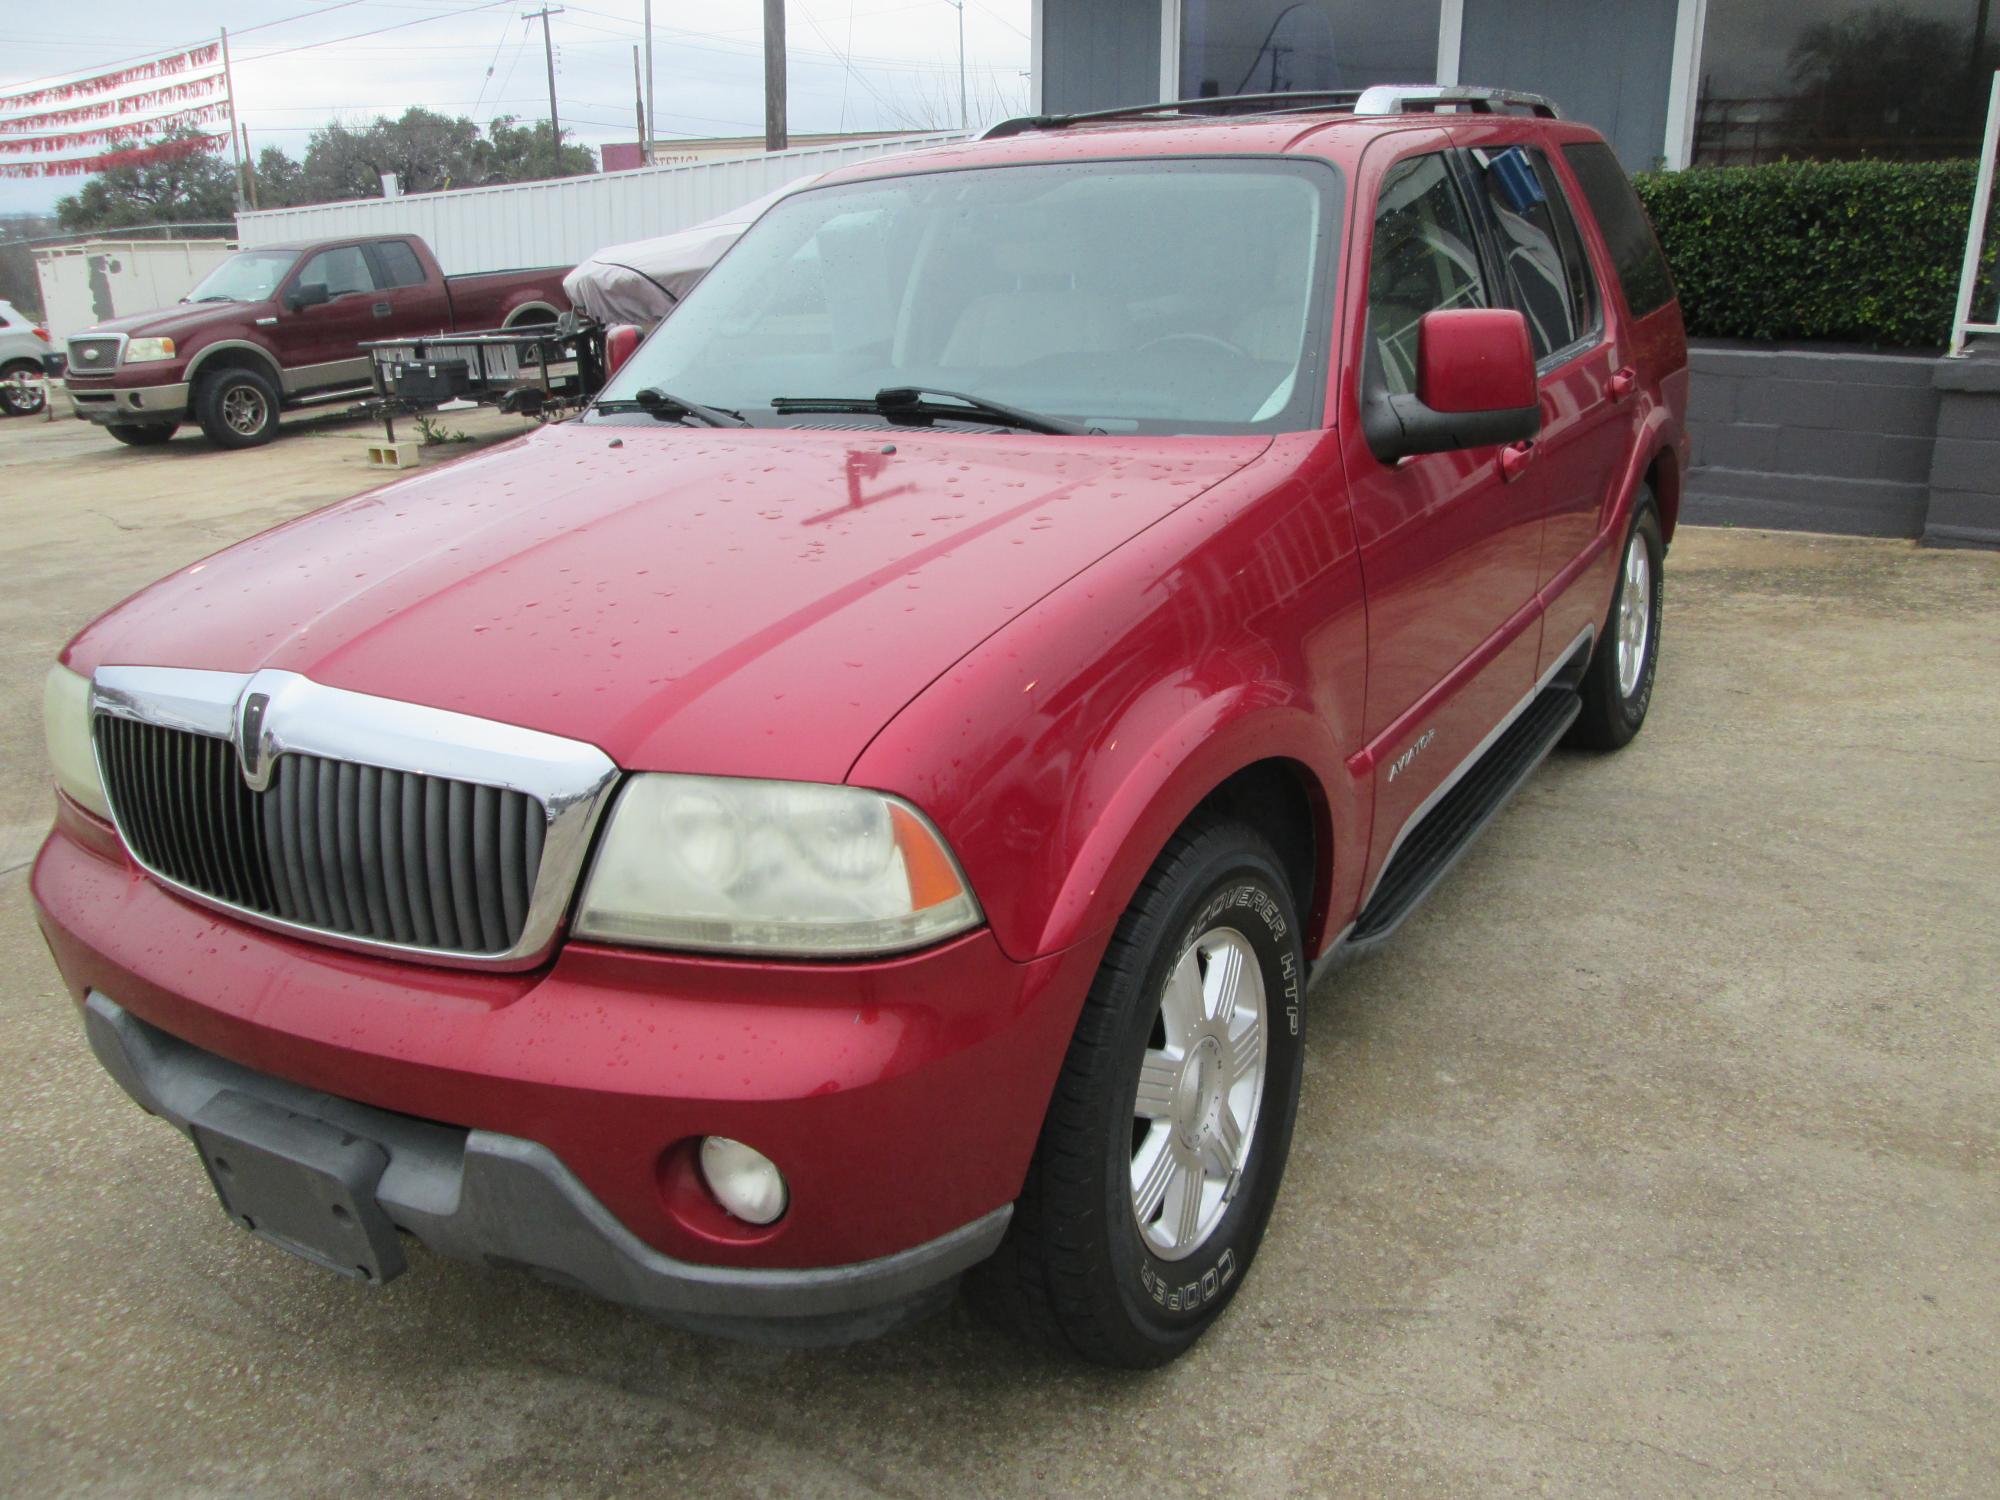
<point x="1382" y="99"/>
<point x="1427" y="98"/>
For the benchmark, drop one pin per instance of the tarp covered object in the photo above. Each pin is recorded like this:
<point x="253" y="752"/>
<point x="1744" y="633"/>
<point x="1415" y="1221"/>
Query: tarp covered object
<point x="641" y="281"/>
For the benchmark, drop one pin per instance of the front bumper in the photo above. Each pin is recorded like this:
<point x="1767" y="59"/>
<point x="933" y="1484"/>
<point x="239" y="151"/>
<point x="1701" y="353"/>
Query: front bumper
<point x="498" y="1200"/>
<point x="901" y="1098"/>
<point x="110" y="405"/>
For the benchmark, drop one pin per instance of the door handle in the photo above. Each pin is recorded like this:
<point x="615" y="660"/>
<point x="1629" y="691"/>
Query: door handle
<point x="381" y="309"/>
<point x="1515" y="458"/>
<point x="1623" y="383"/>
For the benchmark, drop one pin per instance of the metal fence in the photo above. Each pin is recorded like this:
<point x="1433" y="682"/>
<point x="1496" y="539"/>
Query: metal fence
<point x="563" y="221"/>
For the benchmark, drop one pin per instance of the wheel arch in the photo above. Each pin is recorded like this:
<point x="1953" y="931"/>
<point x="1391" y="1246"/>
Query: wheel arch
<point x="1254" y="762"/>
<point x="530" y="312"/>
<point x="235" y="354"/>
<point x="1663" y="478"/>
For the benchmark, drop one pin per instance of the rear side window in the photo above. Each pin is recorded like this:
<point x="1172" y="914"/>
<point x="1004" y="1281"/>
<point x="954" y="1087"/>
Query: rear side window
<point x="1425" y="258"/>
<point x="1548" y="275"/>
<point x="1635" y="250"/>
<point x="400" y="266"/>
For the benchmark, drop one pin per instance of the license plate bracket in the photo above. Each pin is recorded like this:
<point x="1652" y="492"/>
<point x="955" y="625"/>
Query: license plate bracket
<point x="304" y="1184"/>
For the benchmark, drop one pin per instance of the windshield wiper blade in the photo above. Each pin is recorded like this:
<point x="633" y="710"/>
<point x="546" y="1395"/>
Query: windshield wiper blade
<point x="655" y="402"/>
<point x="929" y="404"/>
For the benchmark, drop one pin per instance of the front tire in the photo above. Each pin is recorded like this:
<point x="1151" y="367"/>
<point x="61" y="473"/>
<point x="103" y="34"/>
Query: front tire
<point x="19" y="395"/>
<point x="1618" y="683"/>
<point x="1161" y="1154"/>
<point x="237" y="408"/>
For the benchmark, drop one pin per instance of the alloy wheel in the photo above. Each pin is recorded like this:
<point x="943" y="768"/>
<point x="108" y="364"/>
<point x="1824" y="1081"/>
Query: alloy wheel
<point x="1201" y="1083"/>
<point x="1635" y="615"/>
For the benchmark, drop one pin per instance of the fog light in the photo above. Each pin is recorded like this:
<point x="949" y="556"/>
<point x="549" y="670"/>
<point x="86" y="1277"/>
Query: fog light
<point x="744" y="1181"/>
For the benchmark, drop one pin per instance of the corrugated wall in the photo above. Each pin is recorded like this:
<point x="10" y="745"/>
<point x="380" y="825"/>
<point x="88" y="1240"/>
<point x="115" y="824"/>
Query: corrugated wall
<point x="559" y="223"/>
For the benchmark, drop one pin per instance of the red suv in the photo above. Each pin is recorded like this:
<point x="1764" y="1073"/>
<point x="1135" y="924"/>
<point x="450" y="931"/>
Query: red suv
<point x="866" y="802"/>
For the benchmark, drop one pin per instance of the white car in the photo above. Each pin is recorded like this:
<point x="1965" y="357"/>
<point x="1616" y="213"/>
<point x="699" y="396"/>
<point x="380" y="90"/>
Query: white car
<point x="23" y="342"/>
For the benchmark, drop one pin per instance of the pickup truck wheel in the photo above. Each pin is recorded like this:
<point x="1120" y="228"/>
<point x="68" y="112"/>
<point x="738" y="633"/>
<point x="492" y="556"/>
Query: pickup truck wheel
<point x="143" y="434"/>
<point x="1618" y="683"/>
<point x="1160" y="1156"/>
<point x="19" y="395"/>
<point x="237" y="408"/>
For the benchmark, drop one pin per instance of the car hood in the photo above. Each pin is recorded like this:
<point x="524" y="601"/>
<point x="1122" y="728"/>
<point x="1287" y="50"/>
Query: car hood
<point x="176" y="322"/>
<point x="754" y="603"/>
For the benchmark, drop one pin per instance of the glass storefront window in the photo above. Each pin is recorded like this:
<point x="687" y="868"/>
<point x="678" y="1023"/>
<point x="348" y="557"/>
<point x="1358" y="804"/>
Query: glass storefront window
<point x="1834" y="79"/>
<point x="1269" y="46"/>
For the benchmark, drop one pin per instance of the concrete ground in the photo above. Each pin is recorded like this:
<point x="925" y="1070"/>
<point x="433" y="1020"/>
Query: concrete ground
<point x="1659" y="1155"/>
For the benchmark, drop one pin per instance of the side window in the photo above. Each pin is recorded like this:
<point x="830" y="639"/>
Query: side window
<point x="399" y="264"/>
<point x="1628" y="234"/>
<point x="343" y="268"/>
<point x="1425" y="258"/>
<point x="1548" y="277"/>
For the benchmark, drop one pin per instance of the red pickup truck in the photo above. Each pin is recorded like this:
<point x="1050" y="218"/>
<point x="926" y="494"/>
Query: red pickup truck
<point x="867" y="800"/>
<point x="280" y="327"/>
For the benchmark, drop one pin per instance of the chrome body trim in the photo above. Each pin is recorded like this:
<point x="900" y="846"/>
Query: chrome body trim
<point x="1585" y="638"/>
<point x="572" y="780"/>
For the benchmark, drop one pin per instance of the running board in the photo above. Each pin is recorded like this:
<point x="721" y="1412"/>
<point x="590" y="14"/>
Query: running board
<point x="328" y="398"/>
<point x="1448" y="829"/>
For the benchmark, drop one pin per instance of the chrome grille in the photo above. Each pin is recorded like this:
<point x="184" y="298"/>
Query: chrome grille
<point x="98" y="356"/>
<point x="390" y="856"/>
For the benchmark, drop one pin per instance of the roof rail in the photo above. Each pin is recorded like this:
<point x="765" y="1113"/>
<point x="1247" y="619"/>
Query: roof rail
<point x="1425" y="98"/>
<point x="1382" y="99"/>
<point x="1223" y="104"/>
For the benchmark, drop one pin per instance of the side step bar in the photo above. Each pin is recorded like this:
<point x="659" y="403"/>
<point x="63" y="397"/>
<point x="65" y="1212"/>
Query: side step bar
<point x="1449" y="828"/>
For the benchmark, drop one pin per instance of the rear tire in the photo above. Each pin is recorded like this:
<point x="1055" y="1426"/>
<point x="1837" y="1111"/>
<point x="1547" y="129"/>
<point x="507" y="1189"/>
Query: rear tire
<point x="18" y="398"/>
<point x="1142" y="1208"/>
<point x="1618" y="683"/>
<point x="237" y="408"/>
<point x="143" y="434"/>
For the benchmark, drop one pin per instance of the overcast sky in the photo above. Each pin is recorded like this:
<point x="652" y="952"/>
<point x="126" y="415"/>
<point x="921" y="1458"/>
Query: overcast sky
<point x="855" y="64"/>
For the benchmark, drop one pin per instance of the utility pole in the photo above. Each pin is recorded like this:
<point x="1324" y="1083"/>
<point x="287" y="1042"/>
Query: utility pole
<point x="652" y="122"/>
<point x="229" y="91"/>
<point x="249" y="167"/>
<point x="964" y="122"/>
<point x="639" y="109"/>
<point x="549" y="56"/>
<point x="775" y="138"/>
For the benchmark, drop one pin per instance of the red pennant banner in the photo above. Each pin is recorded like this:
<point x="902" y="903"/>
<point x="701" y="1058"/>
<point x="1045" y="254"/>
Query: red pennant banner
<point x="103" y="83"/>
<point x="112" y="135"/>
<point x="71" y="166"/>
<point x="105" y="109"/>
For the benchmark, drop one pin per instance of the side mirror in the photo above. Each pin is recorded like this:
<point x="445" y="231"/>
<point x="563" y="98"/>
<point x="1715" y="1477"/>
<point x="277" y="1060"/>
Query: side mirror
<point x="620" y="340"/>
<point x="1475" y="388"/>
<point x="307" y="294"/>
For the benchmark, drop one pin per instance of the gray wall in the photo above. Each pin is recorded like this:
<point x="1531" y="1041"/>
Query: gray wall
<point x="1605" y="64"/>
<point x="1099" y="54"/>
<point x="1965" y="466"/>
<point x="1805" y="441"/>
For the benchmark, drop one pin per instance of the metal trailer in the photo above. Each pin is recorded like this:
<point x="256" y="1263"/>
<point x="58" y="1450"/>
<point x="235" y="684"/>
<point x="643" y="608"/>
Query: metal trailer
<point x="537" y="371"/>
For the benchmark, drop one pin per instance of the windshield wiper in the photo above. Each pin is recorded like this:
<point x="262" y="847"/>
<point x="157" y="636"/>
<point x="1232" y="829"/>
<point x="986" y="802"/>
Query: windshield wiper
<point x="928" y="404"/>
<point x="213" y="297"/>
<point x="658" y="404"/>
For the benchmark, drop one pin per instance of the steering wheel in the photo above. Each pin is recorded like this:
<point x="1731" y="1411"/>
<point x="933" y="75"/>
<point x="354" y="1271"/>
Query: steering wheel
<point x="1195" y="338"/>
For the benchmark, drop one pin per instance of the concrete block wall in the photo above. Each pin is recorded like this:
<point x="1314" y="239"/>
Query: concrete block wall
<point x="1804" y="441"/>
<point x="1965" y="461"/>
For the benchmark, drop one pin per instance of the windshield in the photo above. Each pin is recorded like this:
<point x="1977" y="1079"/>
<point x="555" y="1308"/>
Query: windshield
<point x="1158" y="296"/>
<point x="247" y="276"/>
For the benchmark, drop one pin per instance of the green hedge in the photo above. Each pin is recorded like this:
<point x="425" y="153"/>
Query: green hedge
<point x="1855" y="252"/>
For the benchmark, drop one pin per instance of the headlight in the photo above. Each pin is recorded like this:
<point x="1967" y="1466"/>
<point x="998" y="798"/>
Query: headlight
<point x="144" y="351"/>
<point x="66" y="722"/>
<point x="773" y="867"/>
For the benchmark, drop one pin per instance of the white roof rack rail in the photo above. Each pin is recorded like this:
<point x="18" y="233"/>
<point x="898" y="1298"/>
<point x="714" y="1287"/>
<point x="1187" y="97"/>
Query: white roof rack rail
<point x="1424" y="98"/>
